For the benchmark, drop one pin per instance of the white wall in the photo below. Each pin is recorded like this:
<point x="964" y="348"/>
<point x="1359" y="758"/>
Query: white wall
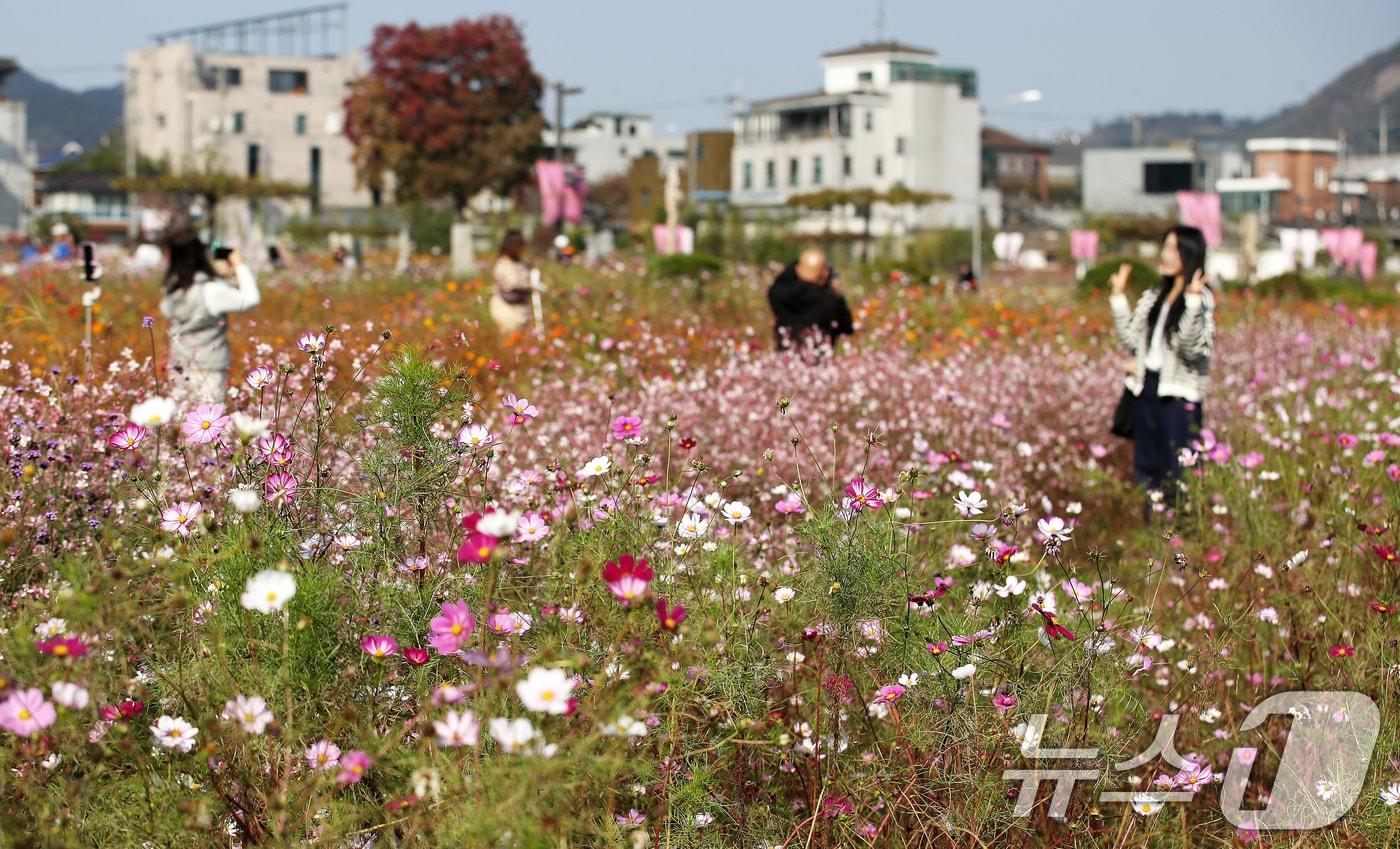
<point x="1113" y="180"/>
<point x="16" y="164"/>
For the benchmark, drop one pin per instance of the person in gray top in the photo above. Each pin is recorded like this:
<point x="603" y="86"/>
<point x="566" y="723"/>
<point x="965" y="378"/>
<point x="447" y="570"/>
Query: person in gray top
<point x="200" y="292"/>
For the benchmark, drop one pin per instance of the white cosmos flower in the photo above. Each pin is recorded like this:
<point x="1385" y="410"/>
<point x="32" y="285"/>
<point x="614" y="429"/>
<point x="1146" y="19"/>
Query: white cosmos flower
<point x="970" y="504"/>
<point x="1055" y="527"/>
<point x="693" y="526"/>
<point x="244" y="499"/>
<point x="1027" y="736"/>
<point x="248" y="427"/>
<point x="546" y="690"/>
<point x="173" y="732"/>
<point x="511" y="734"/>
<point x="1391" y="795"/>
<point x="250" y="712"/>
<point x="269" y="590"/>
<point x="499" y="523"/>
<point x="153" y="411"/>
<point x="71" y="696"/>
<point x="457" y="729"/>
<point x="1146" y="805"/>
<point x="595" y="467"/>
<point x="736" y="512"/>
<point x="964" y="672"/>
<point x="1012" y="586"/>
<point x="474" y="436"/>
<point x="783" y="595"/>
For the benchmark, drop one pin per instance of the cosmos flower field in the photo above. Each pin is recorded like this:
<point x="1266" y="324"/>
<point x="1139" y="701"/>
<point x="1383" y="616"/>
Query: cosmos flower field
<point x="638" y="581"/>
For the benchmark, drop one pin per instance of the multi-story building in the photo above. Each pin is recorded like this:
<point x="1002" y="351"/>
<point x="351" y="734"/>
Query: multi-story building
<point x="1138" y="180"/>
<point x="887" y="114"/>
<point x="704" y="176"/>
<point x="275" y="117"/>
<point x="605" y="143"/>
<point x="1014" y="165"/>
<point x="1307" y="165"/>
<point x="16" y="159"/>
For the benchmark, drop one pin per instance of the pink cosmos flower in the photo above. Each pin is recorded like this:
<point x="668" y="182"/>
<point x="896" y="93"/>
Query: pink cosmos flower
<point x="626" y="427"/>
<point x="627" y="578"/>
<point x="863" y="496"/>
<point x="323" y="755"/>
<point x="311" y="343"/>
<point x="281" y="487"/>
<point x="1252" y="460"/>
<point x="204" y="424"/>
<point x="379" y="645"/>
<point x="532" y="527"/>
<point x="1003" y="702"/>
<point x="25" y="712"/>
<point x="353" y="766"/>
<point x="129" y="438"/>
<point x="888" y="694"/>
<point x="63" y="647"/>
<point x="260" y="378"/>
<point x="414" y="656"/>
<point x="1347" y="440"/>
<point x="452" y="627"/>
<point x="521" y="410"/>
<point x="457" y="729"/>
<point x="791" y="503"/>
<point x="271" y="444"/>
<point x="181" y="517"/>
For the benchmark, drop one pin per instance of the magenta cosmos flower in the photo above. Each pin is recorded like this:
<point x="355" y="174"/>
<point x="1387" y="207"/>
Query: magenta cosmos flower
<point x="452" y="627"/>
<point x="26" y="713"/>
<point x="627" y="578"/>
<point x="520" y="409"/>
<point x="353" y="766"/>
<point x="863" y="496"/>
<point x="204" y="424"/>
<point x="379" y="645"/>
<point x="627" y="427"/>
<point x="128" y="438"/>
<point x="889" y="693"/>
<point x="281" y="487"/>
<point x="180" y="517"/>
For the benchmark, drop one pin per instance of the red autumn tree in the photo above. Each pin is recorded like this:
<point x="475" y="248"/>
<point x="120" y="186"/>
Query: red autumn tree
<point x="448" y="110"/>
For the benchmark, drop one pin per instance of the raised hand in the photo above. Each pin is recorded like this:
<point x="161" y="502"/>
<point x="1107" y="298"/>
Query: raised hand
<point x="1119" y="280"/>
<point x="1198" y="283"/>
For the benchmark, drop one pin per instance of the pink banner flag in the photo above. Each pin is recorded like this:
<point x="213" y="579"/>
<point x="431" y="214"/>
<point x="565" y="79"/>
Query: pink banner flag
<point x="1201" y="209"/>
<point x="1332" y="241"/>
<point x="551" y="180"/>
<point x="1350" y="249"/>
<point x="1367" y="260"/>
<point x="1084" y="245"/>
<point x="574" y="191"/>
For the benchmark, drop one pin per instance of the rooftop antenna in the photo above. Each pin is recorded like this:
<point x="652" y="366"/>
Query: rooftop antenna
<point x="879" y="20"/>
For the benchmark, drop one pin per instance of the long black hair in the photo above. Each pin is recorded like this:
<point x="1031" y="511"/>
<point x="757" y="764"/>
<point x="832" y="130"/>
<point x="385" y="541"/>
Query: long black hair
<point x="188" y="256"/>
<point x="1191" y="247"/>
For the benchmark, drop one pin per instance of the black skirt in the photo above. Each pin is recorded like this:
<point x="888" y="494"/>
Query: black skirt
<point x="1162" y="426"/>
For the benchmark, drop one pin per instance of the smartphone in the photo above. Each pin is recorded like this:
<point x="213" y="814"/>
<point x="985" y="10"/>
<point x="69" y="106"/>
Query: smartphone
<point x="222" y="252"/>
<point x="89" y="262"/>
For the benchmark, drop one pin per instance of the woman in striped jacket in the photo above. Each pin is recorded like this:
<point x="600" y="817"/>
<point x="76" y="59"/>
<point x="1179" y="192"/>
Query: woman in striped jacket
<point x="1171" y="334"/>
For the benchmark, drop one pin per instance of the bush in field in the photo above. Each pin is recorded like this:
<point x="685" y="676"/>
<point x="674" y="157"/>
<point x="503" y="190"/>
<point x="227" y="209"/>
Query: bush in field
<point x="1144" y="276"/>
<point x="1326" y="289"/>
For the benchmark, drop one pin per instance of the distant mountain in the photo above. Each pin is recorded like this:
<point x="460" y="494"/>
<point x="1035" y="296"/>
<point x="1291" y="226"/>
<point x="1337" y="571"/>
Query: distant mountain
<point x="1350" y="103"/>
<point x="57" y="115"/>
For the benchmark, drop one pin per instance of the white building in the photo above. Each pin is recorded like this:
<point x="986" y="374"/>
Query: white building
<point x="1138" y="180"/>
<point x="16" y="160"/>
<point x="605" y="143"/>
<point x="278" y="118"/>
<point x="887" y="114"/>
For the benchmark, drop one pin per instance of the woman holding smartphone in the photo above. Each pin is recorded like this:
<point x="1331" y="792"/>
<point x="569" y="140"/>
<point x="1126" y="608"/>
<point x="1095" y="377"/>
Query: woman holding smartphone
<point x="1171" y="335"/>
<point x="200" y="292"/>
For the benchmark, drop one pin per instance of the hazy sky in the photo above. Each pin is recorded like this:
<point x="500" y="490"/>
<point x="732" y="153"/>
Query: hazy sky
<point x="678" y="59"/>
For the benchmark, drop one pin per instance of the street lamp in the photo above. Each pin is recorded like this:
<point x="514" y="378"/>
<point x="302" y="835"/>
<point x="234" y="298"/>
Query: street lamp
<point x="1030" y="95"/>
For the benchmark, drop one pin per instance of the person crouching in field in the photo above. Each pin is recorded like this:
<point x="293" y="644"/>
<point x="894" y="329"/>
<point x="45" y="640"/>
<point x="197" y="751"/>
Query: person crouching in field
<point x="1171" y="335"/>
<point x="200" y="292"/>
<point x="808" y="312"/>
<point x="513" y="285"/>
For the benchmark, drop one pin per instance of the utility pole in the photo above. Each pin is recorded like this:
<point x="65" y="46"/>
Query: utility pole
<point x="561" y="91"/>
<point x="1385" y="133"/>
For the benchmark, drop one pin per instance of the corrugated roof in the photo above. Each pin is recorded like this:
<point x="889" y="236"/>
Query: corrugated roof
<point x="879" y="47"/>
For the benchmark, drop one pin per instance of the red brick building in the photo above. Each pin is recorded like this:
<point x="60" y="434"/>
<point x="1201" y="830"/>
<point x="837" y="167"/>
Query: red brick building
<point x="1014" y="165"/>
<point x="1308" y="165"/>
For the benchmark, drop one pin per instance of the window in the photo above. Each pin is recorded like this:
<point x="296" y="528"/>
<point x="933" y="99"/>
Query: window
<point x="286" y="82"/>
<point x="899" y="145"/>
<point x="237" y="122"/>
<point x="160" y="120"/>
<point x="253" y="158"/>
<point x="845" y="166"/>
<point x="793" y="171"/>
<point x="879" y="166"/>
<point x="631" y="129"/>
<point x="1319" y="178"/>
<point x="1166" y="177"/>
<point x="770" y="174"/>
<point x="216" y="78"/>
<point x="865" y="77"/>
<point x="816" y="170"/>
<point x="748" y="175"/>
<point x="301" y="125"/>
<point x="646" y="199"/>
<point x="869" y="120"/>
<point x="315" y="170"/>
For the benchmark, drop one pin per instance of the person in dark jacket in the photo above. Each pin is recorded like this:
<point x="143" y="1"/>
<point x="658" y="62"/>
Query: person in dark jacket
<point x="807" y="309"/>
